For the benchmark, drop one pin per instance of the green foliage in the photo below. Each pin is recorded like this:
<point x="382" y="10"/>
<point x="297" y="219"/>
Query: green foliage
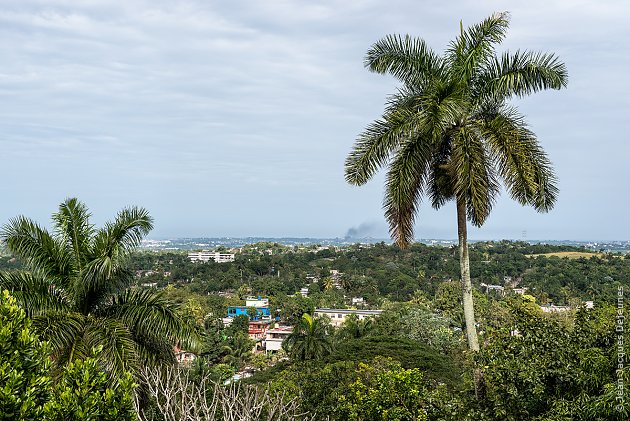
<point x="24" y="365"/>
<point x="420" y="323"/>
<point x="385" y="391"/>
<point x="408" y="353"/>
<point x="538" y="368"/>
<point x="238" y="350"/>
<point x="378" y="388"/>
<point x="239" y="323"/>
<point x="84" y="393"/>
<point x="292" y="308"/>
<point x="353" y="327"/>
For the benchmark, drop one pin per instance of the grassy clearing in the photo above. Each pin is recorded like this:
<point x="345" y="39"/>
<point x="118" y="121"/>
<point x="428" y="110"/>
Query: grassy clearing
<point x="569" y="254"/>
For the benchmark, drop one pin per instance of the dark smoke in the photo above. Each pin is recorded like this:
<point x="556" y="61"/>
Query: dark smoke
<point x="366" y="229"/>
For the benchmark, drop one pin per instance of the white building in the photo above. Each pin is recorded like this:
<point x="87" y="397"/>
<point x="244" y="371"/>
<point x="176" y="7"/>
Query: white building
<point x="275" y="337"/>
<point x="497" y="288"/>
<point x="550" y="308"/>
<point x="205" y="256"/>
<point x="338" y="316"/>
<point x="150" y="285"/>
<point x="256" y="302"/>
<point x="357" y="301"/>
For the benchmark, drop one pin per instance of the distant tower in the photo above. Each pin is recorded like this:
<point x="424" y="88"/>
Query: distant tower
<point x="524" y="236"/>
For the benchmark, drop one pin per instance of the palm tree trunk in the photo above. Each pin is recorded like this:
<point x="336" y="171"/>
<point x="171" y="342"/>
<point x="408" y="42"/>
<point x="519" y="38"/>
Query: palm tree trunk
<point x="464" y="265"/>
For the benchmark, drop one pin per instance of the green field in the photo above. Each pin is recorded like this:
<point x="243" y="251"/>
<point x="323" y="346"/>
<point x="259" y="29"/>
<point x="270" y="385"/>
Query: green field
<point x="569" y="254"/>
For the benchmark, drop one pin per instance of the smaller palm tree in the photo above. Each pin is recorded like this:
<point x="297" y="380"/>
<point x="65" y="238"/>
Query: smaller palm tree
<point x="354" y="328"/>
<point x="239" y="350"/>
<point x="310" y="339"/>
<point x="328" y="283"/>
<point x="77" y="290"/>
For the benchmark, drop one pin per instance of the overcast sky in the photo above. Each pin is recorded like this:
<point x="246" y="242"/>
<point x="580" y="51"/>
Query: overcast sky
<point x="234" y="118"/>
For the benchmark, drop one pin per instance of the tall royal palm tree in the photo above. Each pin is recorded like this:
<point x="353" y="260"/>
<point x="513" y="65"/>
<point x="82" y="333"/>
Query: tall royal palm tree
<point x="450" y="133"/>
<point x="76" y="289"/>
<point x="310" y="339"/>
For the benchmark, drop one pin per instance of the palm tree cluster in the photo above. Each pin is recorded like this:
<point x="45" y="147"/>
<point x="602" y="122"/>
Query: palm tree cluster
<point x="450" y="133"/>
<point x="77" y="290"/>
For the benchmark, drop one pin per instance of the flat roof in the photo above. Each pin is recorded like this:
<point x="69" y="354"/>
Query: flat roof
<point x="347" y="311"/>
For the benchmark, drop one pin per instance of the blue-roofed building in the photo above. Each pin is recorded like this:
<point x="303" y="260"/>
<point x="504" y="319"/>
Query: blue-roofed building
<point x="262" y="312"/>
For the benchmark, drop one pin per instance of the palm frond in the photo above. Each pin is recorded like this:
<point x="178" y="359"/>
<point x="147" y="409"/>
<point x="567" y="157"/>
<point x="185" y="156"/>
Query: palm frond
<point x="376" y="144"/>
<point x="404" y="186"/>
<point x="73" y="227"/>
<point x="147" y="313"/>
<point x="408" y="59"/>
<point x="101" y="278"/>
<point x="34" y="294"/>
<point x="472" y="173"/>
<point x="522" y="163"/>
<point x="37" y="249"/>
<point x="443" y="106"/>
<point x="61" y="329"/>
<point x="439" y="183"/>
<point x="117" y="239"/>
<point x="153" y="350"/>
<point x="118" y="348"/>
<point x="473" y="47"/>
<point x="520" y="74"/>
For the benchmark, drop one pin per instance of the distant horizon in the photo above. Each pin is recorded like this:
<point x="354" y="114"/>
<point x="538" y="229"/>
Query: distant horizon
<point x="378" y="239"/>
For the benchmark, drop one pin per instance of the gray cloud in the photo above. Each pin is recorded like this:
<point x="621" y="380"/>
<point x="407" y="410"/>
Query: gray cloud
<point x="234" y="118"/>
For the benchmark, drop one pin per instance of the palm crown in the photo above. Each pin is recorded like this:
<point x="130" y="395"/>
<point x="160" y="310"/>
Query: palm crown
<point x="76" y="289"/>
<point x="310" y="338"/>
<point x="450" y="133"/>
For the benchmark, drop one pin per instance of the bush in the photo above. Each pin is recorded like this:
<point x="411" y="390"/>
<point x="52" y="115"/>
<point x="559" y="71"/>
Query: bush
<point x="85" y="394"/>
<point x="83" y="391"/>
<point x="24" y="365"/>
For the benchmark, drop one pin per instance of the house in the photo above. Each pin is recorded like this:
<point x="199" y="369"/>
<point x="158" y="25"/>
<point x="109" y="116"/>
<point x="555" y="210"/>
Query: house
<point x="311" y="278"/>
<point x="338" y="316"/>
<point x="206" y="256"/>
<point x="258" y="329"/>
<point x="256" y="302"/>
<point x="261" y="312"/>
<point x="357" y="301"/>
<point x="550" y="308"/>
<point x="497" y="288"/>
<point x="182" y="356"/>
<point x="304" y="292"/>
<point x="274" y="337"/>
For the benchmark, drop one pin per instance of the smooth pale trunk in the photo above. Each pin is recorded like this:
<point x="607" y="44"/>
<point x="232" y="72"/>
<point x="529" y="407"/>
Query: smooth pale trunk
<point x="464" y="265"/>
